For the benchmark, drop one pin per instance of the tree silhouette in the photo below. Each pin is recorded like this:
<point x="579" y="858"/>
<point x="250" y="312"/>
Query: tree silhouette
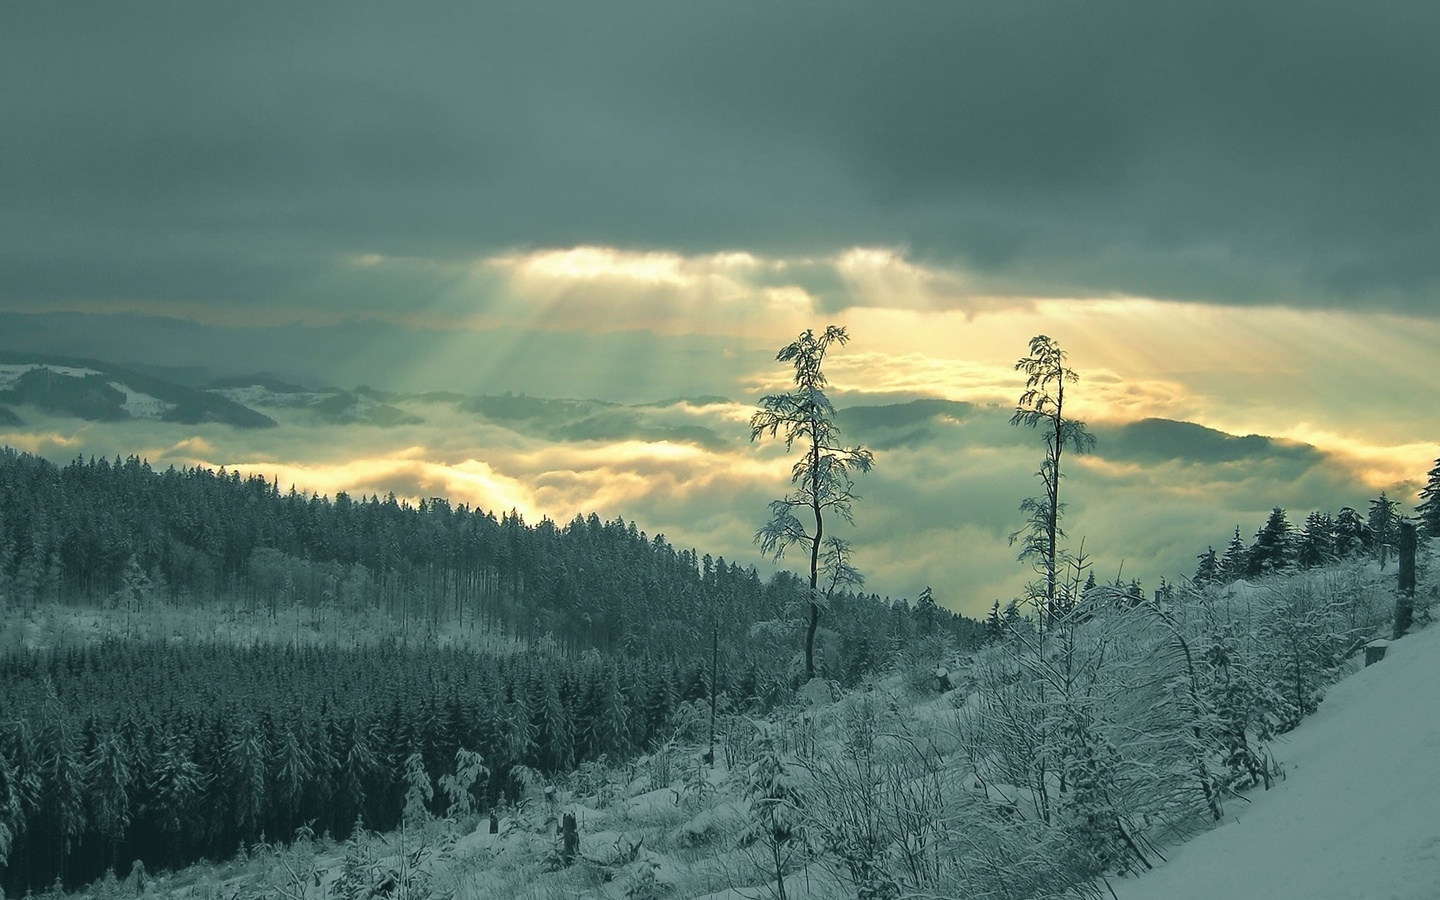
<point x="1042" y="405"/>
<point x="821" y="478"/>
<point x="1429" y="509"/>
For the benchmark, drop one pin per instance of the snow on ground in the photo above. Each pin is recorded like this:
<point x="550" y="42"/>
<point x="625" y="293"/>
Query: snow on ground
<point x="141" y="406"/>
<point x="9" y="374"/>
<point x="1358" y="814"/>
<point x="259" y="395"/>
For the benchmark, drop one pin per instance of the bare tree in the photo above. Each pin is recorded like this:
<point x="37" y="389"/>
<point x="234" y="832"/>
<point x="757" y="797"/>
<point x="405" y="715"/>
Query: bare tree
<point x="1042" y="405"/>
<point x="821" y="478"/>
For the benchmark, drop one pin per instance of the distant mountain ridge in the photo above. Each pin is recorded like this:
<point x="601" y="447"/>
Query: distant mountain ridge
<point x="101" y="392"/>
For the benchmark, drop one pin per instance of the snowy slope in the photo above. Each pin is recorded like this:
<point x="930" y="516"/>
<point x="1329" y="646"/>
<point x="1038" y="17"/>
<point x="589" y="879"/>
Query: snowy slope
<point x="1358" y="815"/>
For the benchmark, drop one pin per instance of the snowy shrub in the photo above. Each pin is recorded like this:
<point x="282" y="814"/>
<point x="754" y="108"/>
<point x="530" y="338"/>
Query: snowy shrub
<point x="917" y="662"/>
<point x="459" y="788"/>
<point x="777" y="823"/>
<point x="696" y="788"/>
<point x="662" y="765"/>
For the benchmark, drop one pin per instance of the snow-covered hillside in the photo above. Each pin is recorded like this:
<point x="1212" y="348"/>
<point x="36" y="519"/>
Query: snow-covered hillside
<point x="1358" y="814"/>
<point x="990" y="788"/>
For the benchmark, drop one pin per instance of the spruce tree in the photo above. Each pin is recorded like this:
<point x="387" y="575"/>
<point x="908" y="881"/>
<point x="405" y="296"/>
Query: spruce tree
<point x="927" y="613"/>
<point x="175" y="790"/>
<point x="613" y="727"/>
<point x="108" y="781"/>
<point x="290" y="767"/>
<point x="1273" y="550"/>
<point x="1317" y="541"/>
<point x="1429" y="509"/>
<point x="62" y="779"/>
<point x="1384" y="526"/>
<point x="1236" y="561"/>
<point x="1208" y="570"/>
<point x="1351" y="535"/>
<point x="994" y="626"/>
<point x="354" y="775"/>
<point x="244" y="761"/>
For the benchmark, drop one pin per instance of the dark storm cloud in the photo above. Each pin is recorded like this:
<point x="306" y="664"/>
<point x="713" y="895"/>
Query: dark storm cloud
<point x="239" y="153"/>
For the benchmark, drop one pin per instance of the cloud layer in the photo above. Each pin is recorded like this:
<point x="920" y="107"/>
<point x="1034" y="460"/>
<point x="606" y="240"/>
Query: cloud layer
<point x="937" y="510"/>
<point x="1226" y="152"/>
<point x="1226" y="212"/>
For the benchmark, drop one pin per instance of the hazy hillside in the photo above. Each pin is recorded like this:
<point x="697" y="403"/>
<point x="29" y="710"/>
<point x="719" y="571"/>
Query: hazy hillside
<point x="101" y="392"/>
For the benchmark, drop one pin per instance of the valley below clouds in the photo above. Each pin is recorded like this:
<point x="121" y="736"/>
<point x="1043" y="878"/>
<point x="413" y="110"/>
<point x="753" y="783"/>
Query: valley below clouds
<point x="936" y="511"/>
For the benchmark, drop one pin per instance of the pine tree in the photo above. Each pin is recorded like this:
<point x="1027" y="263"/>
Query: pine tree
<point x="519" y="745"/>
<point x="357" y="768"/>
<point x="1236" y="561"/>
<point x="994" y="625"/>
<point x="927" y="613"/>
<point x="1351" y="535"/>
<point x="1208" y="570"/>
<point x="860" y="660"/>
<point x="555" y="732"/>
<point x="176" y="787"/>
<point x="1429" y="509"/>
<point x="1273" y="550"/>
<point x="244" y="770"/>
<point x="108" y="781"/>
<point x="776" y="806"/>
<point x="12" y="812"/>
<point x="1010" y="619"/>
<point x="460" y="788"/>
<point x="613" y="729"/>
<point x="62" y="778"/>
<point x="1384" y="526"/>
<point x="290" y="768"/>
<point x="1317" y="541"/>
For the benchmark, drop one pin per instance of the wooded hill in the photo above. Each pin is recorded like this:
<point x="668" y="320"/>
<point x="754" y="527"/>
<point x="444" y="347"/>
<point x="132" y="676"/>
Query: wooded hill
<point x="102" y="532"/>
<point x="622" y="628"/>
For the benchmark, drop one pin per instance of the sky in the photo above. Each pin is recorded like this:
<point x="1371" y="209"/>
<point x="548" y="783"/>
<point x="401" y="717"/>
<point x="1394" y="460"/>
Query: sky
<point x="1225" y="212"/>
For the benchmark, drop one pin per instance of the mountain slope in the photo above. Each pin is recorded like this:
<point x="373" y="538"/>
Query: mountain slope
<point x="101" y="392"/>
<point x="1358" y="814"/>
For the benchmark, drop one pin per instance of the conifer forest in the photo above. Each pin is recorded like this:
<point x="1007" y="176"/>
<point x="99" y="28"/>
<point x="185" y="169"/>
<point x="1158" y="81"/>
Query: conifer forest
<point x="427" y="663"/>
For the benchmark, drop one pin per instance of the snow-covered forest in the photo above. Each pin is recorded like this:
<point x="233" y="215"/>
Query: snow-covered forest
<point x="1031" y="767"/>
<point x="281" y="755"/>
<point x="215" y="689"/>
<point x="719" y="451"/>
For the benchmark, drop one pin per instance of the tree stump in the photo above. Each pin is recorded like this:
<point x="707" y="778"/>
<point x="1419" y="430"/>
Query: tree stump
<point x="1405" y="602"/>
<point x="1375" y="651"/>
<point x="570" y="839"/>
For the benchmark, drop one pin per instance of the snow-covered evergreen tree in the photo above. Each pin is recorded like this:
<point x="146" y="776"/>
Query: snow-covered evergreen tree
<point x="1429" y="509"/>
<point x="1383" y="525"/>
<point x="776" y="823"/>
<point x="1351" y="535"/>
<point x="1207" y="571"/>
<point x="1236" y="560"/>
<point x="109" y="777"/>
<point x="1317" y="541"/>
<point x="1274" y="547"/>
<point x="62" y="778"/>
<point x="994" y="625"/>
<point x="245" y="770"/>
